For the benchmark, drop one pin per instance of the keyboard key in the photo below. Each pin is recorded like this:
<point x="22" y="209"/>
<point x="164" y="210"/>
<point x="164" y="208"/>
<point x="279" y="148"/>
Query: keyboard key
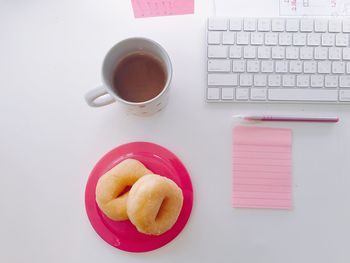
<point x="264" y="24"/>
<point x="257" y="38"/>
<point x="227" y="93"/>
<point x="219" y="65"/>
<point x="271" y="39"/>
<point x="303" y="81"/>
<point x="222" y="79"/>
<point x="249" y="24"/>
<point x="346" y="26"/>
<point x="242" y="38"/>
<point x="344" y="95"/>
<point x="306" y="25"/>
<point x="347" y="67"/>
<point x="321" y="53"/>
<point x="346" y="53"/>
<point x="217" y="51"/>
<point x="235" y="24"/>
<point x="253" y="66"/>
<point x="214" y="37"/>
<point x="306" y="53"/>
<point x="292" y="53"/>
<point x="217" y="23"/>
<point x="316" y="81"/>
<point x="341" y="40"/>
<point x="277" y="52"/>
<point x="281" y="66"/>
<point x="274" y="80"/>
<point x="295" y="66"/>
<point x="299" y="39"/>
<point x="242" y="94"/>
<point x="338" y="67"/>
<point x="249" y="52"/>
<point x="258" y="94"/>
<point x="314" y="39"/>
<point x="344" y="81"/>
<point x="246" y="80"/>
<point x="334" y="53"/>
<point x="327" y="39"/>
<point x="228" y="38"/>
<point x="264" y="52"/>
<point x="238" y="65"/>
<point x="302" y="94"/>
<point x="213" y="93"/>
<point x="324" y="67"/>
<point x="288" y="81"/>
<point x="277" y="25"/>
<point x="310" y="67"/>
<point x="335" y="26"/>
<point x="266" y="66"/>
<point x="321" y="25"/>
<point x="260" y="80"/>
<point x="285" y="39"/>
<point x="235" y="52"/>
<point x="292" y="25"/>
<point x="331" y="81"/>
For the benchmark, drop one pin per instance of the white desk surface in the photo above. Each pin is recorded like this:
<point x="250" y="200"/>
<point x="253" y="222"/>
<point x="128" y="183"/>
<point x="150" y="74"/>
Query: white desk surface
<point x="50" y="55"/>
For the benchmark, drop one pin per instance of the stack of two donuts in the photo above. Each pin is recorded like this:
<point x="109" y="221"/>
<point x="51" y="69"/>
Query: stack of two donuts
<point x="152" y="204"/>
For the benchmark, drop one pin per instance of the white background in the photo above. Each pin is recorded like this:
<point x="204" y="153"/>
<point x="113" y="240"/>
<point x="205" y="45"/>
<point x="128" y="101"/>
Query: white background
<point x="50" y="55"/>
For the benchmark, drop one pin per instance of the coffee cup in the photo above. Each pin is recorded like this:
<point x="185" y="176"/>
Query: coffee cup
<point x="136" y="72"/>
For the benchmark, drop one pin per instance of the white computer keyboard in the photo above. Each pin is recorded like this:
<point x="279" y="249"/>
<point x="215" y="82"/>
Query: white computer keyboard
<point x="278" y="60"/>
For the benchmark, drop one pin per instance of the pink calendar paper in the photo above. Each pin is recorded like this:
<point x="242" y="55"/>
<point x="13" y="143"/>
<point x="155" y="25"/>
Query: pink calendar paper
<point x="262" y="164"/>
<point x="147" y="8"/>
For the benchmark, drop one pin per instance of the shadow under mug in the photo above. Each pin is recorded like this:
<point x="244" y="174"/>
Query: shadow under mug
<point x="105" y="94"/>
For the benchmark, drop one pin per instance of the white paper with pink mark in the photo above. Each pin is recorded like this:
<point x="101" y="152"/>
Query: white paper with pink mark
<point x="262" y="167"/>
<point x="314" y="7"/>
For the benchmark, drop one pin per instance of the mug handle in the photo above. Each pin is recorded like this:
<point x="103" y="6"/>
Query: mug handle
<point x="98" y="97"/>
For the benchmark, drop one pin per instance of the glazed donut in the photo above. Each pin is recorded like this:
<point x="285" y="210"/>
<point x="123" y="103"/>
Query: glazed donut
<point x="110" y="187"/>
<point x="154" y="204"/>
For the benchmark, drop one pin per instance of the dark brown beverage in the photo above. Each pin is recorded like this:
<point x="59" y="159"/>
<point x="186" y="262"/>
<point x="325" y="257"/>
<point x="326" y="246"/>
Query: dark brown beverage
<point x="139" y="77"/>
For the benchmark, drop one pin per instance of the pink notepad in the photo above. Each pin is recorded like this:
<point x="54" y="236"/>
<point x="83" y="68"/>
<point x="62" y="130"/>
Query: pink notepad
<point x="147" y="8"/>
<point x="262" y="167"/>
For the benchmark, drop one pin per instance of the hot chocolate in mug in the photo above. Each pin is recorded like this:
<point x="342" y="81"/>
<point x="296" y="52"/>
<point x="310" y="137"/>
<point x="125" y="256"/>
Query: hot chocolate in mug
<point x="136" y="72"/>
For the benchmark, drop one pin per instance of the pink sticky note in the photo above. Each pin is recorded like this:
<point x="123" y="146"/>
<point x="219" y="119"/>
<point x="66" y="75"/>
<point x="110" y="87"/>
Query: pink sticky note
<point x="262" y="167"/>
<point x="147" y="8"/>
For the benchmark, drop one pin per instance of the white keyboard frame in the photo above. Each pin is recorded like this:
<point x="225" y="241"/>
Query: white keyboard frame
<point x="306" y="94"/>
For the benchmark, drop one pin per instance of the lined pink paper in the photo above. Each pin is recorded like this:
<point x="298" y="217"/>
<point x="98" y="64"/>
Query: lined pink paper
<point x="147" y="8"/>
<point x="262" y="164"/>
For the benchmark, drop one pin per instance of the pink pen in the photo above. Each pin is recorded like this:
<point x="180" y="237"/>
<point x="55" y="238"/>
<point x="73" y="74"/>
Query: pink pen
<point x="289" y="118"/>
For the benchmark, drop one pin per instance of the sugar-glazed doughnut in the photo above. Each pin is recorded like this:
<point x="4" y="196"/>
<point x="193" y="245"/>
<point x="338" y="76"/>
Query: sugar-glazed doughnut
<point x="111" y="196"/>
<point x="154" y="204"/>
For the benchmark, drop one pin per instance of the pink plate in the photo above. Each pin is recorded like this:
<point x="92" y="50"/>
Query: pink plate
<point x="122" y="234"/>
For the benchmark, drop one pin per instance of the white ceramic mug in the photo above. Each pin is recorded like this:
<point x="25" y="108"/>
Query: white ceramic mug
<point x="105" y="94"/>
